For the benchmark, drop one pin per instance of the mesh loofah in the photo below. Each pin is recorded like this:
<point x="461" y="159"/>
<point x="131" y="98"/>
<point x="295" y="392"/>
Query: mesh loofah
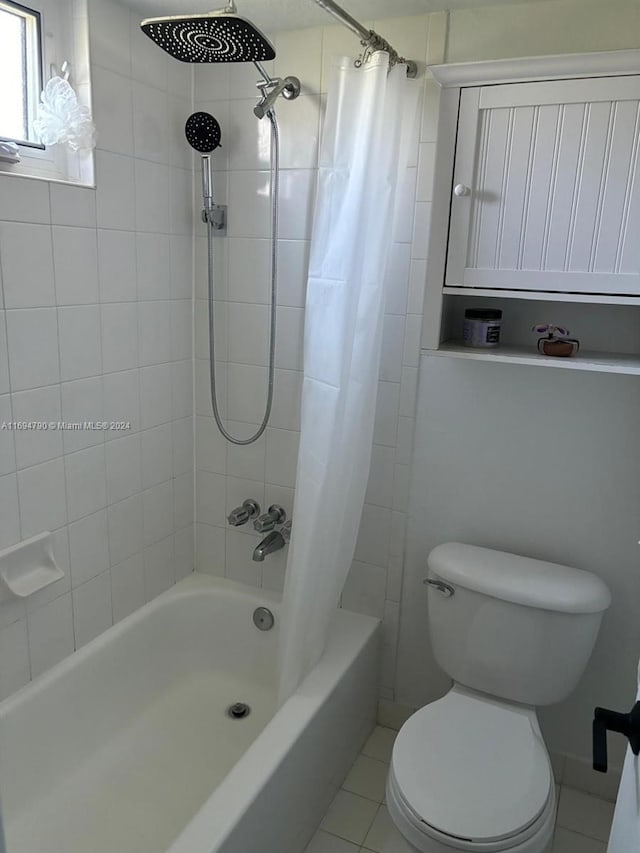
<point x="62" y="120"/>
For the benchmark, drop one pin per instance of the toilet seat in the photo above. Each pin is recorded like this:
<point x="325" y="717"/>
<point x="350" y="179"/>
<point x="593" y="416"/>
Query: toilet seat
<point x="472" y="769"/>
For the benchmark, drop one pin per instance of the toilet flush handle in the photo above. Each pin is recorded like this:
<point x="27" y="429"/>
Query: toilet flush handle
<point x="446" y="589"/>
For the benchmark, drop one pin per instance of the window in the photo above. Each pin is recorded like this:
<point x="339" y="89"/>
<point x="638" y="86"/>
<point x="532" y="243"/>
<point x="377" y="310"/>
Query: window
<point x="20" y="72"/>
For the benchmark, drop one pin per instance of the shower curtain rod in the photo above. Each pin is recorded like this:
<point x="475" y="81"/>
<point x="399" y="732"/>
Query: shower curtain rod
<point x="370" y="39"/>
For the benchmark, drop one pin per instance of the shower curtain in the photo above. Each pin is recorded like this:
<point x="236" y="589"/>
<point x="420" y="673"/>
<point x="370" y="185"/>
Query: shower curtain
<point x="369" y="122"/>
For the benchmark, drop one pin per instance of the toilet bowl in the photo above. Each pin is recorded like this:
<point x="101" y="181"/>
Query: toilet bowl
<point x="470" y="771"/>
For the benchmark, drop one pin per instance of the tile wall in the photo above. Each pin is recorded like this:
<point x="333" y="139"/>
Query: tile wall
<point x="96" y="325"/>
<point x="226" y="475"/>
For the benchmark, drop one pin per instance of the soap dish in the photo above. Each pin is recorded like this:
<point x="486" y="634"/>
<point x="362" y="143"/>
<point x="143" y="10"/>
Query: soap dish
<point x="28" y="567"/>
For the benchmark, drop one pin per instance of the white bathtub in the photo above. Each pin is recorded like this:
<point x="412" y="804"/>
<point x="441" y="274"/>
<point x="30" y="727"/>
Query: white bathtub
<point x="125" y="746"/>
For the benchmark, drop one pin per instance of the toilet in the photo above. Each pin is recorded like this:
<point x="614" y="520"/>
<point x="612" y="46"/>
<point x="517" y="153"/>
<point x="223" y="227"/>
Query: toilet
<point x="470" y="771"/>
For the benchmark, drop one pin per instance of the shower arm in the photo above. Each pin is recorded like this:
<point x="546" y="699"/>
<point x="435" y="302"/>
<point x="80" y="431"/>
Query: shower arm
<point x="370" y="39"/>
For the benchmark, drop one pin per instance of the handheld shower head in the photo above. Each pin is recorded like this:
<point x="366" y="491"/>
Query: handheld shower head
<point x="203" y="134"/>
<point x="221" y="36"/>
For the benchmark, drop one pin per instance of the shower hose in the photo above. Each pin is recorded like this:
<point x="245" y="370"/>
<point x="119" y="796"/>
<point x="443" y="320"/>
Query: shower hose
<point x="275" y="192"/>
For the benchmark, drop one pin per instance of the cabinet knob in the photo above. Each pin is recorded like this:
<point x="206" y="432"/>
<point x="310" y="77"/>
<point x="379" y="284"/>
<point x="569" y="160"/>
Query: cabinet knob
<point x="461" y="189"/>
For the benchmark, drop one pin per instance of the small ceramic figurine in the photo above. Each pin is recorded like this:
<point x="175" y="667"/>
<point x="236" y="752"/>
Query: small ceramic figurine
<point x="556" y="340"/>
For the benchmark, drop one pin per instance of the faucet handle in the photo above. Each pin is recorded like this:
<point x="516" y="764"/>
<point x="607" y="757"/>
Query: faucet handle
<point x="241" y="514"/>
<point x="274" y="515"/>
<point x="286" y="531"/>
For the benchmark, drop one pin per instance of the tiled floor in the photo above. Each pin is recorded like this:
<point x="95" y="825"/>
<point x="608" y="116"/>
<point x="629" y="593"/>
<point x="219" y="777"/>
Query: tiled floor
<point x="357" y="821"/>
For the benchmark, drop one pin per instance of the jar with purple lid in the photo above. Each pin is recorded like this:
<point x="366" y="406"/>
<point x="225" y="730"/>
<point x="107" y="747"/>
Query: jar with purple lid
<point x="482" y="327"/>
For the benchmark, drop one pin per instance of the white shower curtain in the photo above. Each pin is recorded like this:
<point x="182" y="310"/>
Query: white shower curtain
<point x="369" y="122"/>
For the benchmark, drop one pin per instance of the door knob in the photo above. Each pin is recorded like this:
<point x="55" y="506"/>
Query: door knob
<point x="461" y="189"/>
<point x="625" y="724"/>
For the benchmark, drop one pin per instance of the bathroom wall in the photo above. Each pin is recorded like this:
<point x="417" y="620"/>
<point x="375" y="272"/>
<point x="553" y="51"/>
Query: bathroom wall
<point x="96" y="325"/>
<point x="542" y="462"/>
<point x="266" y="471"/>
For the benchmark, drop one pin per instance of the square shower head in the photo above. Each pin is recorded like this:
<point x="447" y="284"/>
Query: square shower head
<point x="213" y="37"/>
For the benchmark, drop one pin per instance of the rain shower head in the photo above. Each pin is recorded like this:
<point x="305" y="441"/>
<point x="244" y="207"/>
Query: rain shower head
<point x="221" y="36"/>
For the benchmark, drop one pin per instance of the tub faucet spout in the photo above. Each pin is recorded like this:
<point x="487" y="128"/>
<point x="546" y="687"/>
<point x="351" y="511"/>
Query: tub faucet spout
<point x="273" y="542"/>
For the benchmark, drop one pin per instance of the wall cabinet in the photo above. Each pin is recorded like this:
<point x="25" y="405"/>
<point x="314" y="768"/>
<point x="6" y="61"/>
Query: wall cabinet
<point x="537" y="206"/>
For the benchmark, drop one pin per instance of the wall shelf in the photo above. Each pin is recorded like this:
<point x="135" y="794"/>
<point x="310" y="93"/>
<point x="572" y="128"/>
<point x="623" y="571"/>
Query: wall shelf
<point x="544" y="296"/>
<point x="598" y="362"/>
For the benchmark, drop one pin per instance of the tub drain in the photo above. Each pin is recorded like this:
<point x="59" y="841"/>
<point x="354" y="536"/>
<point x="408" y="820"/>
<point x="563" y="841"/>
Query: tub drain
<point x="238" y="711"/>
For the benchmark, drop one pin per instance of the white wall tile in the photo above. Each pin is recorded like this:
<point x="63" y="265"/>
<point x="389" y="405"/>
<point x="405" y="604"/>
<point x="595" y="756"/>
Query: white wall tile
<point x="72" y="205"/>
<point x="297" y="194"/>
<point x="7" y="443"/>
<point x="249" y="211"/>
<point x="373" y="538"/>
<point x="250" y="270"/>
<point x="9" y="517"/>
<point x="150" y="119"/>
<point x="287" y="397"/>
<point x="159" y="571"/>
<point x="42" y="498"/>
<point x="115" y="194"/>
<point x="110" y="35"/>
<point x="157" y="456"/>
<point x="117" y="265"/>
<point x="50" y="634"/>
<point x="15" y="670"/>
<point x="27" y="265"/>
<point x="123" y="459"/>
<point x="42" y="405"/>
<point x="365" y="589"/>
<point x="119" y="331"/>
<point x="248" y="333"/>
<point x="211" y="498"/>
<point x="380" y="486"/>
<point x="183" y="501"/>
<point x="75" y="253"/>
<point x="157" y="512"/>
<point x="122" y="399"/>
<point x="127" y="587"/>
<point x="125" y="529"/>
<point x="154" y="333"/>
<point x="92" y="612"/>
<point x="421" y="230"/>
<point x="4" y="357"/>
<point x="290" y="340"/>
<point x="282" y="457"/>
<point x="86" y="481"/>
<point x="181" y="313"/>
<point x="293" y="267"/>
<point x="300" y="50"/>
<point x="181" y="249"/>
<point x="154" y="266"/>
<point x="183" y="446"/>
<point x="155" y="395"/>
<point x="88" y="547"/>
<point x="386" y="423"/>
<point x="210" y="549"/>
<point x="247" y="392"/>
<point x="184" y="554"/>
<point x="80" y="335"/>
<point x="82" y="403"/>
<point x="246" y="461"/>
<point x="211" y="451"/>
<point x="23" y="201"/>
<point x="397" y="278"/>
<point x="152" y="196"/>
<point x="148" y="64"/>
<point x="32" y="339"/>
<point x="182" y="389"/>
<point x="392" y="348"/>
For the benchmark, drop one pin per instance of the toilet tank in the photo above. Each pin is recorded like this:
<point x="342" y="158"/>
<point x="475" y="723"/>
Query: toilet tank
<point x="514" y="627"/>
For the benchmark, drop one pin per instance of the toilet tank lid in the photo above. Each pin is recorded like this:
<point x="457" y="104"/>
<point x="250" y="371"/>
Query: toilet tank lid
<point x="521" y="580"/>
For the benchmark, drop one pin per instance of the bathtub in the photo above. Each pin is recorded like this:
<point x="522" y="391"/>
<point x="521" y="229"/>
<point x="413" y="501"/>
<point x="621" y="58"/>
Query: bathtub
<point x="125" y="747"/>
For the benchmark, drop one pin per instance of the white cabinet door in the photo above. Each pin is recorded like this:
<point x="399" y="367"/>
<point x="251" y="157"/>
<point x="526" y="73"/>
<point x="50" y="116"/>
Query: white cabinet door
<point x="625" y="832"/>
<point x="547" y="187"/>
